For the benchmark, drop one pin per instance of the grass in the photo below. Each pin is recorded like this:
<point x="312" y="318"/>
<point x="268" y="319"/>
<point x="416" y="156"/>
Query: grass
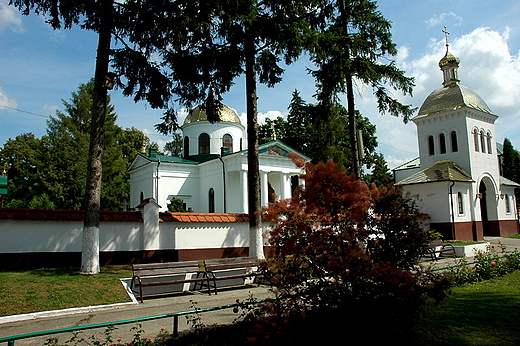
<point x="464" y="243"/>
<point x="516" y="236"/>
<point x="50" y="289"/>
<point x="484" y="313"/>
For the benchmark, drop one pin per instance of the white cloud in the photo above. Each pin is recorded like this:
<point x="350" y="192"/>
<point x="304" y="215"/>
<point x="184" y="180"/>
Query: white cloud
<point x="441" y="19"/>
<point x="6" y="100"/>
<point x="10" y="17"/>
<point x="272" y="115"/>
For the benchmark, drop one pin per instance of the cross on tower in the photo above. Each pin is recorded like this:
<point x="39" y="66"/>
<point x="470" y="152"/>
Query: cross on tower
<point x="446" y="33"/>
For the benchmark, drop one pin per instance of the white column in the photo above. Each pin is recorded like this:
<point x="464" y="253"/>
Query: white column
<point x="245" y="193"/>
<point x="285" y="186"/>
<point x="264" y="188"/>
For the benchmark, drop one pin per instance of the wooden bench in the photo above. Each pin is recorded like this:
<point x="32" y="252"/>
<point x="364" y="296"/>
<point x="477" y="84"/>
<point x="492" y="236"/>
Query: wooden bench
<point x="230" y="268"/>
<point x="170" y="273"/>
<point x="436" y="249"/>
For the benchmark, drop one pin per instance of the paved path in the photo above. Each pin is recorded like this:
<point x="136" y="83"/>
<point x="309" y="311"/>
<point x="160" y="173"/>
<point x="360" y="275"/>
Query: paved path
<point x="22" y="324"/>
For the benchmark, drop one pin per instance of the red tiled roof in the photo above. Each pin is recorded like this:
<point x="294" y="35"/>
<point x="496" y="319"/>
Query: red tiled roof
<point x="203" y="217"/>
<point x="66" y="215"/>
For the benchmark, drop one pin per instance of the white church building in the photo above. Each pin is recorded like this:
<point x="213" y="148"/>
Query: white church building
<point x="211" y="177"/>
<point x="456" y="178"/>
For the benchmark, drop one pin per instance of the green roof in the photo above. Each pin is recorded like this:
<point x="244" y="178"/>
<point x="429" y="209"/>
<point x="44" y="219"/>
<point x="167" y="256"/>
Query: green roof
<point x="169" y="159"/>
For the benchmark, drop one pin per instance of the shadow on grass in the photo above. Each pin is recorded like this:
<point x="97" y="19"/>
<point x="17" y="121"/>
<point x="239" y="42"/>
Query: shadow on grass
<point x="75" y="271"/>
<point x="474" y="315"/>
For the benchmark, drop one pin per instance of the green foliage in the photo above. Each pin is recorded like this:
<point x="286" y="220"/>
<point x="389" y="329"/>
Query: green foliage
<point x="323" y="139"/>
<point x="176" y="205"/>
<point x="488" y="264"/>
<point x="511" y="164"/>
<point x="41" y="202"/>
<point x="433" y="234"/>
<point x="51" y="171"/>
<point x="333" y="258"/>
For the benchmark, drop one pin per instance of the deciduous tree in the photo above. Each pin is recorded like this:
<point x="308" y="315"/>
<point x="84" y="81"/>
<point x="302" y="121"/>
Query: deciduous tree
<point x="345" y="256"/>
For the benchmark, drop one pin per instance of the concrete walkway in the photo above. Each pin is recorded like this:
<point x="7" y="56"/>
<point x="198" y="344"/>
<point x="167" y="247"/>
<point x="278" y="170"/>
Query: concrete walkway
<point x="50" y="320"/>
<point x="23" y="324"/>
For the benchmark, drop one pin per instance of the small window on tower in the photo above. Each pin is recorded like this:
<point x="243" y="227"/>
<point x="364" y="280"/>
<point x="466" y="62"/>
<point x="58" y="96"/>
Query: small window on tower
<point x="431" y="145"/>
<point x="204" y="143"/>
<point x="442" y="142"/>
<point x="482" y="141"/>
<point x="475" y="139"/>
<point x="454" y="144"/>
<point x="186" y="146"/>
<point x="227" y="142"/>
<point x="488" y="136"/>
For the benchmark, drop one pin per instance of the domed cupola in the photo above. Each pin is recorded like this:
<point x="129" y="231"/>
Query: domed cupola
<point x="202" y="137"/>
<point x="453" y="95"/>
<point x="449" y="65"/>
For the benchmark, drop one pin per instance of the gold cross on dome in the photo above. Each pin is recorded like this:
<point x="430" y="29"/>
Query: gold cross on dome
<point x="446" y="33"/>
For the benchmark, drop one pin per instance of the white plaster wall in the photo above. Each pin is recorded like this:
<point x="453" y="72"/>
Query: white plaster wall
<point x="65" y="236"/>
<point x="216" y="131"/>
<point x="180" y="181"/>
<point x="432" y="199"/>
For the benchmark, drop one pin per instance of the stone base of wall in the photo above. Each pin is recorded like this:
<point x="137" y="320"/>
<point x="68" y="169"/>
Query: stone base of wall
<point x="475" y="230"/>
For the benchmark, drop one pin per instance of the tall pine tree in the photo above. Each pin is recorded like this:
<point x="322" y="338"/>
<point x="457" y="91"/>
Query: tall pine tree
<point x="351" y="38"/>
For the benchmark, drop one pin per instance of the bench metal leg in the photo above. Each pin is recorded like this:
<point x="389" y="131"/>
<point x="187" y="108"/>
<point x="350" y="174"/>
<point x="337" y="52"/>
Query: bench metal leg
<point x="175" y="325"/>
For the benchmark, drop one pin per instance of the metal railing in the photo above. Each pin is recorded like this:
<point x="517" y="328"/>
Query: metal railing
<point x="175" y="315"/>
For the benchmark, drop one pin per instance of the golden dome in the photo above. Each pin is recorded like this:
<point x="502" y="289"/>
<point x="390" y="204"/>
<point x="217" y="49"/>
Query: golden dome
<point x="449" y="60"/>
<point x="452" y="97"/>
<point x="227" y="114"/>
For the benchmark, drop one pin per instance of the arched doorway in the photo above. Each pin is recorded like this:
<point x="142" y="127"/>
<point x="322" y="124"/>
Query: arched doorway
<point x="487" y="192"/>
<point x="483" y="208"/>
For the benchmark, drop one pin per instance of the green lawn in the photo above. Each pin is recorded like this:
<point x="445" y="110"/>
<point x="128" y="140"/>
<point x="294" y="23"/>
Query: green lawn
<point x="49" y="289"/>
<point x="485" y="313"/>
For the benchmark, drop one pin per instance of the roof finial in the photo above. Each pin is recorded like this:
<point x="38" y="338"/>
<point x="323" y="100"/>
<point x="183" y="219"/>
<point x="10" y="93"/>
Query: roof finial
<point x="446" y="33"/>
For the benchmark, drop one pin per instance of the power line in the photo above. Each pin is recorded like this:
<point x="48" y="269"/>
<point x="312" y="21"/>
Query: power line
<point x="22" y="111"/>
<point x="47" y="117"/>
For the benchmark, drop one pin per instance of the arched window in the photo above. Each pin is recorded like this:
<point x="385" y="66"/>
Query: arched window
<point x="227" y="142"/>
<point x="204" y="143"/>
<point x="488" y="137"/>
<point x="454" y="143"/>
<point x="431" y="145"/>
<point x="211" y="199"/>
<point x="482" y="141"/>
<point x="475" y="139"/>
<point x="186" y="146"/>
<point x="508" y="205"/>
<point x="460" y="203"/>
<point x="442" y="143"/>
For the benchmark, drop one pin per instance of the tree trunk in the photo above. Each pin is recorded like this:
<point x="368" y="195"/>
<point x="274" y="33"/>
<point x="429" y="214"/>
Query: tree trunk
<point x="90" y="245"/>
<point x="256" y="247"/>
<point x="354" y="148"/>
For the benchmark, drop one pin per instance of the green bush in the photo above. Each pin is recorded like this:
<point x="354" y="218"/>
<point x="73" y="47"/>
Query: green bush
<point x="491" y="263"/>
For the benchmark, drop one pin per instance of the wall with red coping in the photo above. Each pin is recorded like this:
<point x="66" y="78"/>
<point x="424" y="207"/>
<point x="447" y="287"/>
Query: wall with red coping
<point x="32" y="238"/>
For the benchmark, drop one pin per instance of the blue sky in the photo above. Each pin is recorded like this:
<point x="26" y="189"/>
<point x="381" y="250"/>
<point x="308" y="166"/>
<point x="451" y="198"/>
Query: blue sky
<point x="40" y="67"/>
